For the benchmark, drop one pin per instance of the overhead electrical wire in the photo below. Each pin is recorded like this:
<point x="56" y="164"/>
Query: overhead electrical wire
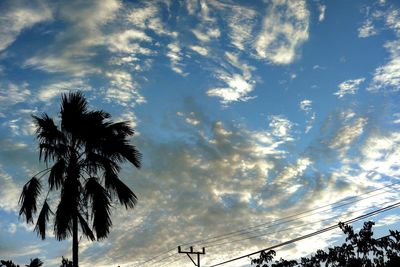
<point x="269" y="224"/>
<point x="330" y="228"/>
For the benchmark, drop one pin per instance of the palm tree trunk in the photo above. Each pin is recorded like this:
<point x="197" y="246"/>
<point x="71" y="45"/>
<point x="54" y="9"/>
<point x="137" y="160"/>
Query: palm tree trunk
<point x="75" y="241"/>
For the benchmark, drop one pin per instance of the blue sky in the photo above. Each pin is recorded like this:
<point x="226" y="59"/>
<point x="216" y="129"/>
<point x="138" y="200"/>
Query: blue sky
<point x="245" y="112"/>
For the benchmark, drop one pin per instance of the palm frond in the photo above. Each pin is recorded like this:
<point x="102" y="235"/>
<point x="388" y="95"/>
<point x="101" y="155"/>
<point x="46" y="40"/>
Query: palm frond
<point x="100" y="199"/>
<point x="85" y="228"/>
<point x="119" y="149"/>
<point x="63" y="220"/>
<point x="56" y="176"/>
<point x="42" y="220"/>
<point x="35" y="263"/>
<point x="66" y="209"/>
<point x="49" y="151"/>
<point x="95" y="162"/>
<point x="46" y="130"/>
<point x="124" y="193"/>
<point x="121" y="129"/>
<point x="73" y="110"/>
<point x="28" y="199"/>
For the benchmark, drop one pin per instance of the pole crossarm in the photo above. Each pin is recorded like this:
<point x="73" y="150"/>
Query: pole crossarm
<point x="191" y="252"/>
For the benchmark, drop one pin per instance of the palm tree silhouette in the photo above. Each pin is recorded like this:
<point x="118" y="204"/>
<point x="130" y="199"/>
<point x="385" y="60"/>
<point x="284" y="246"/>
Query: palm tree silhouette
<point x="35" y="263"/>
<point x="85" y="151"/>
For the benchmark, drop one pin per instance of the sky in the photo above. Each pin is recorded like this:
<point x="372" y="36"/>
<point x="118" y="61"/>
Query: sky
<point x="246" y="112"/>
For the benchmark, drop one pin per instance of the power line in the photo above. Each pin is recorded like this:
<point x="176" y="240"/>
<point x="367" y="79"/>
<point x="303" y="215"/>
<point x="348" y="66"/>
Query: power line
<point x="294" y="227"/>
<point x="269" y="225"/>
<point x="204" y="241"/>
<point x="369" y="214"/>
<point x="284" y="222"/>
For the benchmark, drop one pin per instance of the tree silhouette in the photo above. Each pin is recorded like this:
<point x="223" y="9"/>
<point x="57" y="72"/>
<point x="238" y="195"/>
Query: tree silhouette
<point x="35" y="263"/>
<point x="359" y="250"/>
<point x="7" y="264"/>
<point x="85" y="151"/>
<point x="65" y="262"/>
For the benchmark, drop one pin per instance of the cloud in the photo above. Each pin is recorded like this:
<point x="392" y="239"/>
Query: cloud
<point x="367" y="29"/>
<point x="11" y="94"/>
<point x="200" y="50"/>
<point x="322" y="10"/>
<point x="241" y="21"/>
<point x="55" y="89"/>
<point x="72" y="51"/>
<point x="206" y="36"/>
<point x="348" y="134"/>
<point x="349" y="87"/>
<point x="237" y="88"/>
<point x="381" y="154"/>
<point x="305" y="105"/>
<point x="387" y="76"/>
<point x="123" y="89"/>
<point x="284" y="29"/>
<point x="9" y="192"/>
<point x="17" y="17"/>
<point x="122" y="42"/>
<point x="295" y="170"/>
<point x="281" y="127"/>
<point x="238" y="85"/>
<point x="176" y="57"/>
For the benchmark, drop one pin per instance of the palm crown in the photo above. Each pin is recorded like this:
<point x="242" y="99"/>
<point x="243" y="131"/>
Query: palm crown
<point x="85" y="151"/>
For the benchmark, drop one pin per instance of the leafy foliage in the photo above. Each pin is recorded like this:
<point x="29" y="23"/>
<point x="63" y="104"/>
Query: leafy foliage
<point x="7" y="264"/>
<point x="359" y="250"/>
<point x="65" y="262"/>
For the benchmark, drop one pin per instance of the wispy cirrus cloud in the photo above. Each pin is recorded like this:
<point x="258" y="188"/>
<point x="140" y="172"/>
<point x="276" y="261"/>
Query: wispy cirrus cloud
<point x="284" y="29"/>
<point x="237" y="78"/>
<point x="15" y="18"/>
<point x="387" y="76"/>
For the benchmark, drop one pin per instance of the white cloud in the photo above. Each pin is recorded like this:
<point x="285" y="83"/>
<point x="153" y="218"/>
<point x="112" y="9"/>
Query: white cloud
<point x="348" y="134"/>
<point x="122" y="41"/>
<point x="305" y="105"/>
<point x="12" y="94"/>
<point x="293" y="171"/>
<point x="349" y="87"/>
<point x="367" y="29"/>
<point x="55" y="89"/>
<point x="241" y="22"/>
<point x="9" y="192"/>
<point x="15" y="19"/>
<point x="123" y="89"/>
<point x="238" y="87"/>
<point x="281" y="127"/>
<point x="73" y="50"/>
<point x="284" y="29"/>
<point x="199" y="49"/>
<point x="322" y="10"/>
<point x="176" y="56"/>
<point x="208" y="35"/>
<point x="381" y="154"/>
<point x="149" y="17"/>
<point x="393" y="20"/>
<point x="388" y="75"/>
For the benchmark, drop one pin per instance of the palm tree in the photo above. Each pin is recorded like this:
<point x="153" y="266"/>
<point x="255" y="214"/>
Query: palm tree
<point x="35" y="263"/>
<point x="85" y="152"/>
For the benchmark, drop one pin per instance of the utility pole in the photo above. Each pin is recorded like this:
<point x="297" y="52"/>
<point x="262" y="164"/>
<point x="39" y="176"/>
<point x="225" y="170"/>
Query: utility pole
<point x="188" y="253"/>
